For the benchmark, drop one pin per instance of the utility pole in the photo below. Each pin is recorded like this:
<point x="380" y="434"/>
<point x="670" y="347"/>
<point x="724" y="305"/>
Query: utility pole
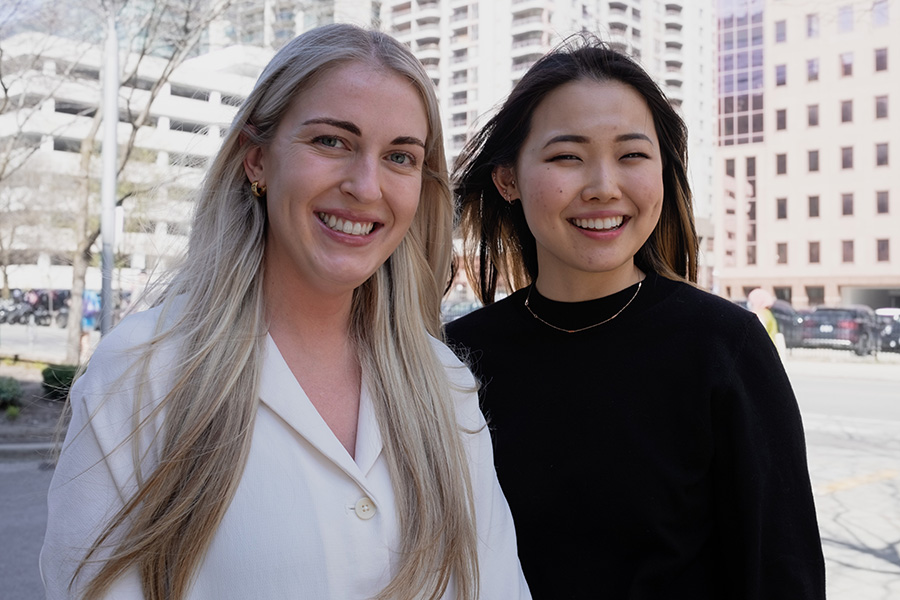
<point x="110" y="160"/>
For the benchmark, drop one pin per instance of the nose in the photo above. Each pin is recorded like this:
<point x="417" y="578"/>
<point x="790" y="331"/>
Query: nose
<point x="602" y="185"/>
<point x="361" y="180"/>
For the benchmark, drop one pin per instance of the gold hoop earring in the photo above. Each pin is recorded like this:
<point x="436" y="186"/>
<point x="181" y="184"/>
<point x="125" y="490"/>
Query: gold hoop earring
<point x="257" y="190"/>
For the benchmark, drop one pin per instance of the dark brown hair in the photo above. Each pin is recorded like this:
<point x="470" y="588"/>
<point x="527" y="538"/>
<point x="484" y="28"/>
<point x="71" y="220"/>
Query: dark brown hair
<point x="498" y="247"/>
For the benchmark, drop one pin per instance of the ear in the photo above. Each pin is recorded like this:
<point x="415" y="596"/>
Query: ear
<point x="253" y="165"/>
<point x="505" y="180"/>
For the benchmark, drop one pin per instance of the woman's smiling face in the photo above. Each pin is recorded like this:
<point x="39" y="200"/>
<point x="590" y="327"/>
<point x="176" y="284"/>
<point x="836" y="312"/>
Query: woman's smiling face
<point x="343" y="177"/>
<point x="589" y="176"/>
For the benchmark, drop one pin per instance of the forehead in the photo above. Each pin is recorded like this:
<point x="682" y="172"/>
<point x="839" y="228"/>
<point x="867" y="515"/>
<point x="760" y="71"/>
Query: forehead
<point x="364" y="93"/>
<point x="587" y="105"/>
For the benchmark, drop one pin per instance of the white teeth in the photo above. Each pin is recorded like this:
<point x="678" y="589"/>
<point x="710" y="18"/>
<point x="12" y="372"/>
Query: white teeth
<point x="599" y="224"/>
<point x="348" y="227"/>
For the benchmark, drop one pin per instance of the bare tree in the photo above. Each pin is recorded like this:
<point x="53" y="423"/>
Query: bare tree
<point x="167" y="30"/>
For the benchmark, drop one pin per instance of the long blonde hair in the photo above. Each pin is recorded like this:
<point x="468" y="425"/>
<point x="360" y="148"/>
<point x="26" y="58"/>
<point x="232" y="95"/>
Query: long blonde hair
<point x="165" y="529"/>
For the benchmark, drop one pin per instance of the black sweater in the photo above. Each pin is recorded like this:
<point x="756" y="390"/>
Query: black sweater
<point x="660" y="455"/>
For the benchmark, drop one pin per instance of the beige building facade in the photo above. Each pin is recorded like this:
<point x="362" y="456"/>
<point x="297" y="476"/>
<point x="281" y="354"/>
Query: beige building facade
<point x="808" y="200"/>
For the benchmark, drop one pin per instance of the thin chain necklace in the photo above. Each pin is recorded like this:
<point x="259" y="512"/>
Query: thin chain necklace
<point x="533" y="314"/>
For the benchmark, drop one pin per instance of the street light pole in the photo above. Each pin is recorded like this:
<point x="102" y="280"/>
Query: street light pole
<point x="110" y="156"/>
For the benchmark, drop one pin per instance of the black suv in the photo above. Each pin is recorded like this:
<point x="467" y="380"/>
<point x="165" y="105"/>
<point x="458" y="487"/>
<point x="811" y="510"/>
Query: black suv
<point x="853" y="327"/>
<point x="790" y="323"/>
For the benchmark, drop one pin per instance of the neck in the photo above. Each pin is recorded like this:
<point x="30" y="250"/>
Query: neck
<point x="306" y="315"/>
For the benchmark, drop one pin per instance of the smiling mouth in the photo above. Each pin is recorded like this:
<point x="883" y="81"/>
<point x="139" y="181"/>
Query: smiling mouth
<point x="606" y="224"/>
<point x="345" y="226"/>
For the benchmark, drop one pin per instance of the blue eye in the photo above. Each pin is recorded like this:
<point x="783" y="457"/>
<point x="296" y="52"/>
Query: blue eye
<point x="329" y="141"/>
<point x="401" y="158"/>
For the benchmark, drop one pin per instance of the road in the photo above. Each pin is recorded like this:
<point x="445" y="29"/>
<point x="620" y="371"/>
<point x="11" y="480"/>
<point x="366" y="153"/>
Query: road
<point x="852" y="422"/>
<point x="851" y="412"/>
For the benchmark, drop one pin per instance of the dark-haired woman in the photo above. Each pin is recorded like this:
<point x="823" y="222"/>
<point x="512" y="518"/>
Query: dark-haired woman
<point x="645" y="433"/>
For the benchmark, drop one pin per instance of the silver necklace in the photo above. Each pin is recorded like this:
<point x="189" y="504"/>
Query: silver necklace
<point x="533" y="314"/>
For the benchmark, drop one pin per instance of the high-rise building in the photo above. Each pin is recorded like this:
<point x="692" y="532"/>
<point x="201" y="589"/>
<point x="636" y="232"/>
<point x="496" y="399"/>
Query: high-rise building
<point x="272" y="23"/>
<point x="807" y="103"/>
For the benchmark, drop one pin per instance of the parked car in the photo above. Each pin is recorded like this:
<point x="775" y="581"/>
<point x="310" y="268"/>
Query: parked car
<point x="790" y="323"/>
<point x="853" y="327"/>
<point x="890" y="328"/>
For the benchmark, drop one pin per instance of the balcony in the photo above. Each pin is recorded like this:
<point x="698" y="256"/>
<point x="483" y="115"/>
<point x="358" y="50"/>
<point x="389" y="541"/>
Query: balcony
<point x="674" y="79"/>
<point x="428" y="52"/>
<point x="428" y="33"/>
<point x="526" y="5"/>
<point x="428" y="11"/>
<point x="528" y="45"/>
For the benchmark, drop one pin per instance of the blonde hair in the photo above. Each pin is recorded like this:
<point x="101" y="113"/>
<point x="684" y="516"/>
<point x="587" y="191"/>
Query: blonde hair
<point x="165" y="529"/>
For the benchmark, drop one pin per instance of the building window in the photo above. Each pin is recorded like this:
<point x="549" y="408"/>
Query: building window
<point x="846" y="111"/>
<point x="781" y="253"/>
<point x="780" y="31"/>
<point x="881" y="202"/>
<point x="884" y="250"/>
<point x="815" y="295"/>
<point x="781" y="119"/>
<point x="881" y="59"/>
<point x="812" y="25"/>
<point x="781" y="208"/>
<point x="813" y="252"/>
<point x="812" y="115"/>
<point x="845" y="19"/>
<point x="813" y="159"/>
<point x="847" y="64"/>
<point x="780" y="74"/>
<point x="729" y="167"/>
<point x="781" y="164"/>
<point x="881" y="107"/>
<point x="847" y="204"/>
<point x="880" y="15"/>
<point x="847" y="251"/>
<point x="881" y="155"/>
<point x="812" y="69"/>
<point x="847" y="157"/>
<point x="813" y="206"/>
<point x="751" y="254"/>
<point x="751" y="166"/>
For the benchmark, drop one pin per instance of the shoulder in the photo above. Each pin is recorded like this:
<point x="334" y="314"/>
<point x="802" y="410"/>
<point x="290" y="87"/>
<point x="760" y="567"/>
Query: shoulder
<point x="486" y="322"/>
<point x="131" y="355"/>
<point x="690" y="303"/>
<point x="457" y="373"/>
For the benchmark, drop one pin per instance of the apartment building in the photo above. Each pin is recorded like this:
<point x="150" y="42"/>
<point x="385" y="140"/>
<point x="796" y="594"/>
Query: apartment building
<point x="273" y="23"/>
<point x="55" y="95"/>
<point x="808" y="204"/>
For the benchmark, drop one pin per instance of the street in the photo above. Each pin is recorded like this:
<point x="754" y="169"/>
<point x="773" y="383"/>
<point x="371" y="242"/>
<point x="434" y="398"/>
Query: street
<point x="851" y="412"/>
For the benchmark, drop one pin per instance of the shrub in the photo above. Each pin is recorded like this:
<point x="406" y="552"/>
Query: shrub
<point x="10" y="392"/>
<point x="12" y="412"/>
<point x="58" y="380"/>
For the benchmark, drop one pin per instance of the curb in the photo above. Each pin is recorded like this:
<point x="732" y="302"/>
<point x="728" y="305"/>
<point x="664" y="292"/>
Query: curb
<point x="33" y="450"/>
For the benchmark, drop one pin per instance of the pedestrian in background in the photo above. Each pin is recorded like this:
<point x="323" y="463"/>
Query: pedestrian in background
<point x="760" y="302"/>
<point x="646" y="435"/>
<point x="283" y="423"/>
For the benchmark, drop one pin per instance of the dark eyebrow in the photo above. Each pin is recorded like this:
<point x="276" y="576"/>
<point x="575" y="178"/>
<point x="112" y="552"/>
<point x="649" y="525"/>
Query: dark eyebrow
<point x="347" y="125"/>
<point x="408" y="139"/>
<point x="352" y="128"/>
<point x="580" y="139"/>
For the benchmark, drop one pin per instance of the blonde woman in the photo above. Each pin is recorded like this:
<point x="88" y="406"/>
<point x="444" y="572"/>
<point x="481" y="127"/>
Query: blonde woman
<point x="284" y="422"/>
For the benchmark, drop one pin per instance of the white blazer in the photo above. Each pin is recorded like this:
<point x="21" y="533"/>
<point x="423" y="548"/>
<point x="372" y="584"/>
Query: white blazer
<point x="307" y="520"/>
